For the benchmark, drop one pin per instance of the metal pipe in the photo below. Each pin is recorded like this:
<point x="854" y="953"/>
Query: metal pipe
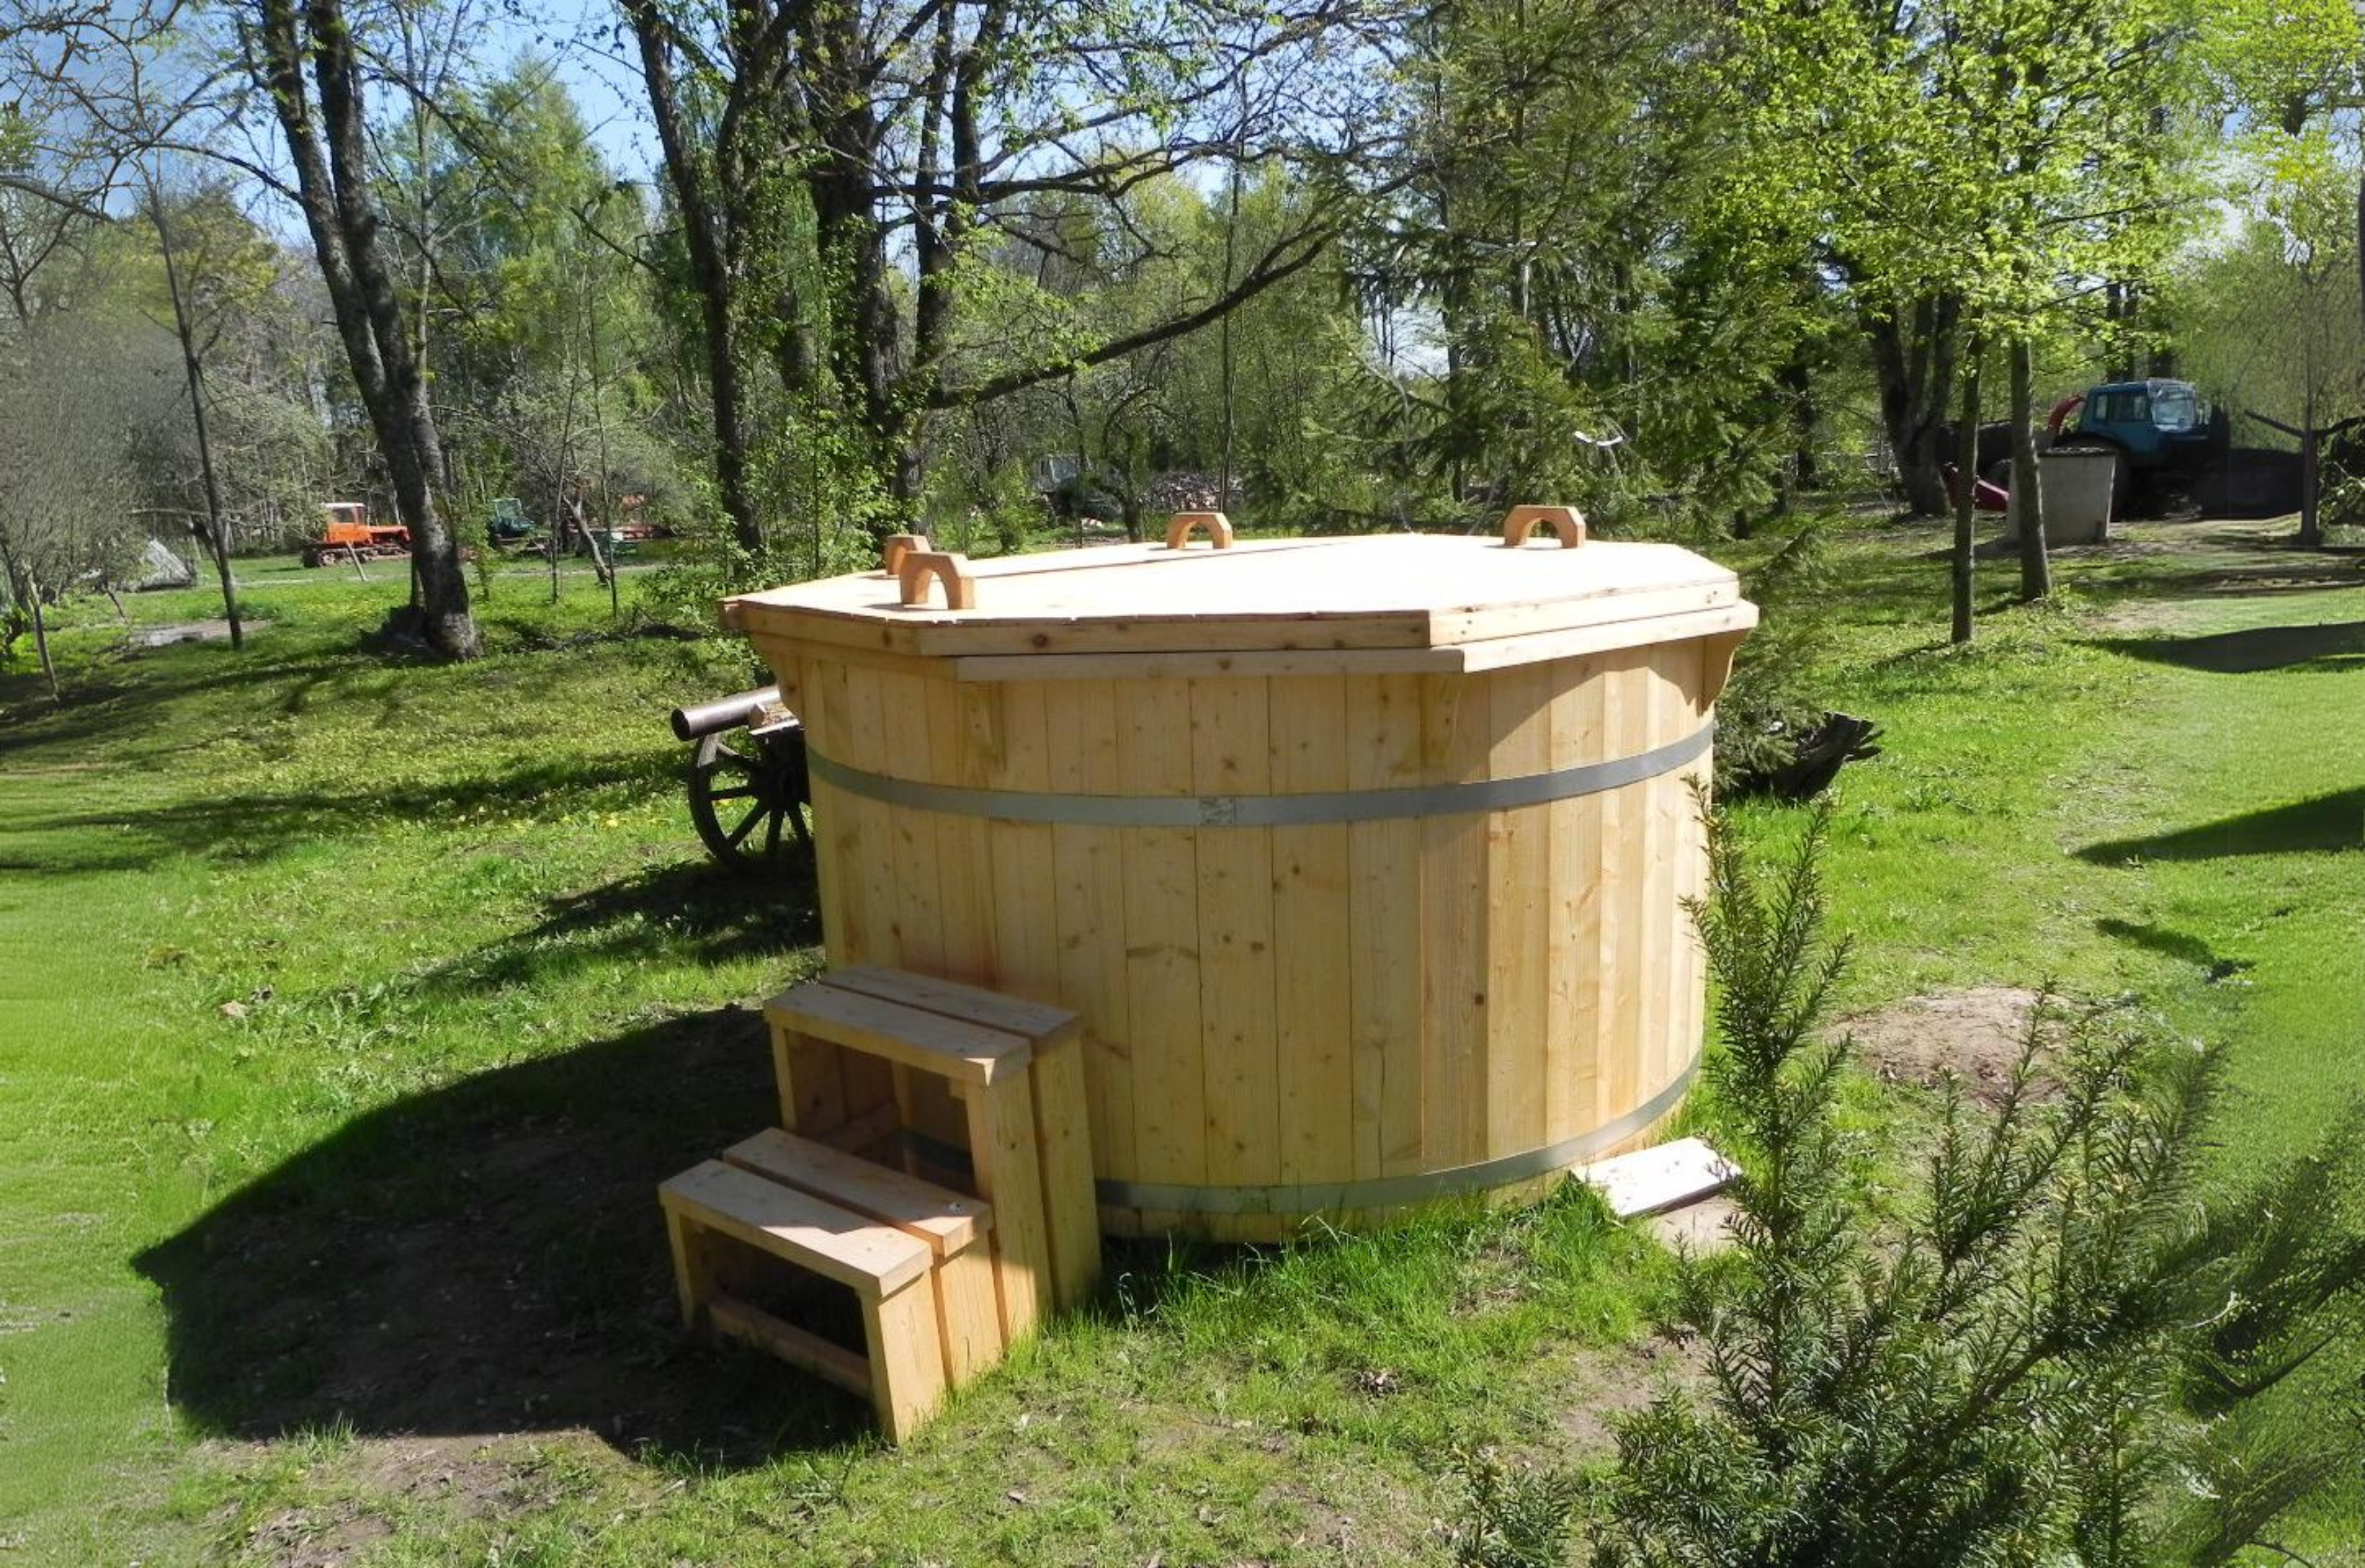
<point x="723" y="714"/>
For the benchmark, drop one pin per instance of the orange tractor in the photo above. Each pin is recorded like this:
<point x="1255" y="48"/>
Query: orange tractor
<point x="346" y="532"/>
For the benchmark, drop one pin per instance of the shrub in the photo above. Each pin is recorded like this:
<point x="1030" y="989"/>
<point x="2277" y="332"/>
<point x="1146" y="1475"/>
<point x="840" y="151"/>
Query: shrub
<point x="2075" y="1344"/>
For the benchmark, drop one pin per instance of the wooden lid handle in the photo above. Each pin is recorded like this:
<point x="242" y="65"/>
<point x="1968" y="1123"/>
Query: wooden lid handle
<point x="892" y="550"/>
<point x="1218" y="527"/>
<point x="1520" y="522"/>
<point x="915" y="568"/>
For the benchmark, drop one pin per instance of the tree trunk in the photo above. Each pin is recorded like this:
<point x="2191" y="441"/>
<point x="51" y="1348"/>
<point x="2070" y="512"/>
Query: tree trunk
<point x="2027" y="481"/>
<point x="332" y="193"/>
<point x="1913" y="359"/>
<point x="711" y="274"/>
<point x="1967" y="480"/>
<point x="216" y="537"/>
<point x="41" y="635"/>
<point x="2311" y="481"/>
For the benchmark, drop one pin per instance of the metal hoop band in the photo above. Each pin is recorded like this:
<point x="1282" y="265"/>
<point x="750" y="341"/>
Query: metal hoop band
<point x="1394" y="1192"/>
<point x="1312" y="809"/>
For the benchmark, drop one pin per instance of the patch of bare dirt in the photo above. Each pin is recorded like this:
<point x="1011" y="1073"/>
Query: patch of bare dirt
<point x="1598" y="1387"/>
<point x="1695" y="1227"/>
<point x="1975" y="1034"/>
<point x="187" y="632"/>
<point x="462" y="1476"/>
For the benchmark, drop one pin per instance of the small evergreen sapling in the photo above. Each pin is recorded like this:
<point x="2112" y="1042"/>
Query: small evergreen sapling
<point x="2077" y="1345"/>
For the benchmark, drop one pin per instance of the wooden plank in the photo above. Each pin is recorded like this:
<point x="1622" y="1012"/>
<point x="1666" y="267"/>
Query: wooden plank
<point x="1231" y="754"/>
<point x="810" y="1082"/>
<point x="869" y="843"/>
<point x="1576" y="642"/>
<point x="1010" y="1177"/>
<point x="1088" y="870"/>
<point x="838" y="828"/>
<point x="1519" y="930"/>
<point x="1469" y="657"/>
<point x="1624" y="943"/>
<point x="693" y="1284"/>
<point x="1162" y="946"/>
<point x="1313" y="940"/>
<point x="965" y="742"/>
<point x="797" y="1227"/>
<point x="1064" y="1150"/>
<point x="1573" y="962"/>
<point x="1038" y="1021"/>
<point x="906" y="849"/>
<point x="907" y="1367"/>
<point x="799" y="1347"/>
<point x="1025" y="871"/>
<point x="805" y="697"/>
<point x="1651" y="1181"/>
<point x="1454" y="744"/>
<point x="1634" y="610"/>
<point x="929" y="1041"/>
<point x="1396" y="592"/>
<point x="1669" y="717"/>
<point x="945" y="1221"/>
<point x="1385" y="923"/>
<point x="969" y="1313"/>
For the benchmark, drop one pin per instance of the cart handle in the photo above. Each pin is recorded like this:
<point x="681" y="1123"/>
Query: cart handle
<point x="1520" y="522"/>
<point x="1218" y="527"/>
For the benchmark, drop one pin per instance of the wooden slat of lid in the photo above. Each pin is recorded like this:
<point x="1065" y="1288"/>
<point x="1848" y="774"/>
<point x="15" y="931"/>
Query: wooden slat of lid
<point x="874" y="1258"/>
<point x="1010" y="1015"/>
<point x="945" y="1221"/>
<point x="929" y="1041"/>
<point x="1385" y="591"/>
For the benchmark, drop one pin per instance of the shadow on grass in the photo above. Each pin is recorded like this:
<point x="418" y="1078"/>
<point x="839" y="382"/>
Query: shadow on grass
<point x="2322" y="824"/>
<point x="258" y="825"/>
<point x="488" y="1258"/>
<point x="2333" y="646"/>
<point x="698" y="911"/>
<point x="2181" y="946"/>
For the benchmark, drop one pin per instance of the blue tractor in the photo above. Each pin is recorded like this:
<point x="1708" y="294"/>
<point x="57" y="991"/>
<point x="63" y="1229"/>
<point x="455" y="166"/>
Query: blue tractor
<point x="2165" y="434"/>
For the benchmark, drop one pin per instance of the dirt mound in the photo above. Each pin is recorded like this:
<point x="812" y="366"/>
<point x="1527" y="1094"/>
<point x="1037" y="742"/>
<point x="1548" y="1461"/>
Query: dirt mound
<point x="1975" y="1035"/>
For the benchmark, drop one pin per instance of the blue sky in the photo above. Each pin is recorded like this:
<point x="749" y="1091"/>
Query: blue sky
<point x="595" y="61"/>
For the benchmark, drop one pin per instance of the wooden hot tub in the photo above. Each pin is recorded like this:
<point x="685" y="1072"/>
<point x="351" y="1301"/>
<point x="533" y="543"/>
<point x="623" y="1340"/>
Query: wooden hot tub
<point x="1362" y="859"/>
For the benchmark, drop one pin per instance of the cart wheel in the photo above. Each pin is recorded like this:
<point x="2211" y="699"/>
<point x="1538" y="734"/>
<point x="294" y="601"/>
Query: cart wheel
<point x="748" y="797"/>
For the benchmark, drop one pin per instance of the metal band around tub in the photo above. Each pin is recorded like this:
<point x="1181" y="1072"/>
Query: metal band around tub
<point x="1312" y="809"/>
<point x="1394" y="1192"/>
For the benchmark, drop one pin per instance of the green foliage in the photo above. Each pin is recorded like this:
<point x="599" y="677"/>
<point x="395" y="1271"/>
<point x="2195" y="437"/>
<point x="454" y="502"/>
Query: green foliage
<point x="1515" y="1518"/>
<point x="1777" y="693"/>
<point x="2058" y="1345"/>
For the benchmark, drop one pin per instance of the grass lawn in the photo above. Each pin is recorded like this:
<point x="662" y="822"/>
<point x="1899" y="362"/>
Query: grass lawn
<point x="351" y="1008"/>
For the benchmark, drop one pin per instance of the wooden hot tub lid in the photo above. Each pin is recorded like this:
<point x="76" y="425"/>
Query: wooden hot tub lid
<point x="1413" y="602"/>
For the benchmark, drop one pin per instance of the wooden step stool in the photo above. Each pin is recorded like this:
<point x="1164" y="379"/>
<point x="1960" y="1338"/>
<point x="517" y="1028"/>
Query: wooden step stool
<point x="713" y="1204"/>
<point x="956" y="1229"/>
<point x="898" y="1066"/>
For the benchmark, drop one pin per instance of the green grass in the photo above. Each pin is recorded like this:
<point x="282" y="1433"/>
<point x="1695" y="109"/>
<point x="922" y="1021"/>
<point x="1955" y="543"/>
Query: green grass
<point x="350" y="1007"/>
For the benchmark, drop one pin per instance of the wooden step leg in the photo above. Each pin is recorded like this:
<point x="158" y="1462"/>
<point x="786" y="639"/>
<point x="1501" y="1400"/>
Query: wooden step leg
<point x="1062" y="1127"/>
<point x="693" y="1275"/>
<point x="969" y="1313"/>
<point x="1010" y="1177"/>
<point x="907" y="1365"/>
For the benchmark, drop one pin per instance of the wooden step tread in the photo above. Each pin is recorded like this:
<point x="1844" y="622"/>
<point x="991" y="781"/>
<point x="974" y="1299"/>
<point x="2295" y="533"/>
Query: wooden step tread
<point x="874" y="1258"/>
<point x="1010" y="1015"/>
<point x="929" y="1041"/>
<point x="945" y="1221"/>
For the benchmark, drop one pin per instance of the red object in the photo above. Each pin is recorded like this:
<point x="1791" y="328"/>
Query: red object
<point x="1984" y="496"/>
<point x="2062" y="410"/>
